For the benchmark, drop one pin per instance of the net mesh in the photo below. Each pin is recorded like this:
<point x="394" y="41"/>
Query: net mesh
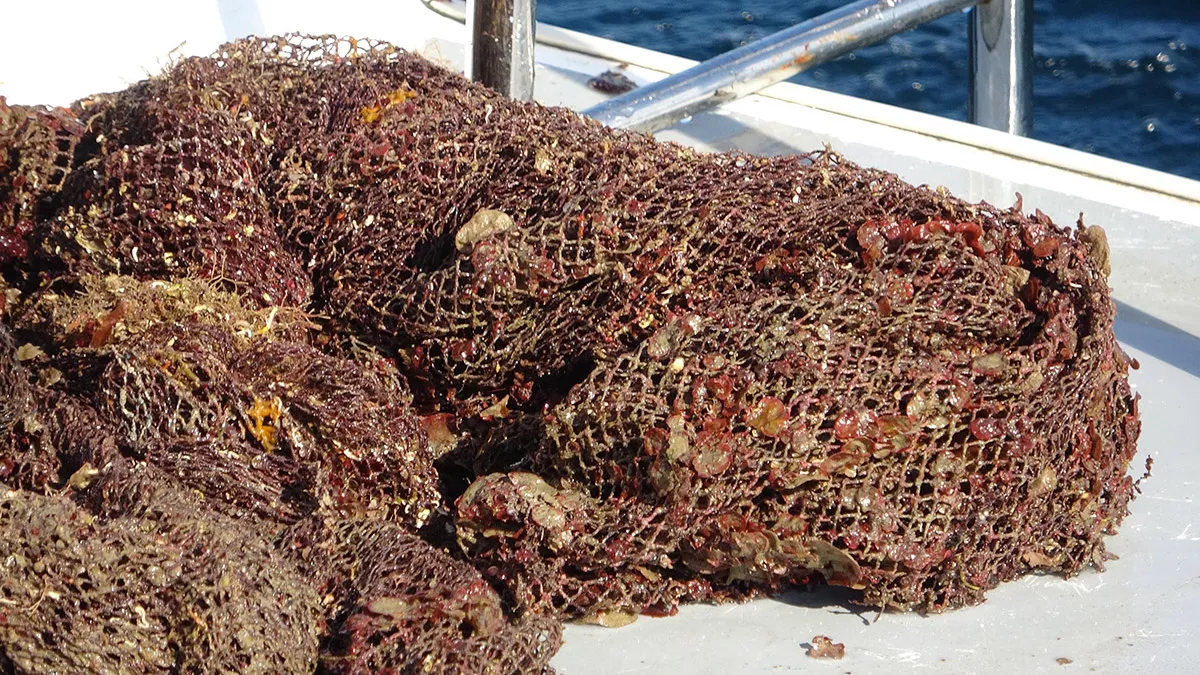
<point x="170" y="188"/>
<point x="234" y="401"/>
<point x="277" y="427"/>
<point x="149" y="582"/>
<point x="45" y="436"/>
<point x="37" y="148"/>
<point x="922" y="479"/>
<point x="295" y="276"/>
<point x="406" y="606"/>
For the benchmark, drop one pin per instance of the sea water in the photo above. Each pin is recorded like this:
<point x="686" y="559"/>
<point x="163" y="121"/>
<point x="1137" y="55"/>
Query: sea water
<point x="1112" y="77"/>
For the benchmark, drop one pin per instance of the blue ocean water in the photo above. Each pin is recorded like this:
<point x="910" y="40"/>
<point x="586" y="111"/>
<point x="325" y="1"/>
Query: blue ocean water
<point x="1116" y="78"/>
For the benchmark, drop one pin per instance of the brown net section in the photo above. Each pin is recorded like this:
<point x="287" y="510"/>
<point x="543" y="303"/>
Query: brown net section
<point x="562" y="552"/>
<point x="45" y="437"/>
<point x="650" y="375"/>
<point x="154" y="584"/>
<point x="274" y="427"/>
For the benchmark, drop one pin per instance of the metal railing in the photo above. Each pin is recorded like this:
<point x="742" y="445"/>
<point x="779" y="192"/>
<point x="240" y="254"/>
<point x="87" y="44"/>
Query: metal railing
<point x="1001" y="52"/>
<point x="500" y="50"/>
<point x="1001" y="76"/>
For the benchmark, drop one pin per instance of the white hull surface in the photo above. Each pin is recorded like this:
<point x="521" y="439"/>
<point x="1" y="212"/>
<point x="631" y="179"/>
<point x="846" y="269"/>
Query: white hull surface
<point x="1138" y="616"/>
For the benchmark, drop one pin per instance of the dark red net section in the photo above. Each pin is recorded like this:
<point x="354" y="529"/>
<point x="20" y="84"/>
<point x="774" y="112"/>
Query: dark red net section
<point x="408" y="607"/>
<point x="170" y="188"/>
<point x="880" y="430"/>
<point x="292" y="276"/>
<point x="37" y="148"/>
<point x="922" y="478"/>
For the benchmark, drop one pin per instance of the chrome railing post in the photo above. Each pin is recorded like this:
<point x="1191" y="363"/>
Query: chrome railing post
<point x="1001" y="76"/>
<point x="776" y="57"/>
<point x="500" y="47"/>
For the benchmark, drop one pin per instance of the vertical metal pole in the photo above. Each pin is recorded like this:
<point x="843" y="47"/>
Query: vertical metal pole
<point x="500" y="52"/>
<point x="1001" y="81"/>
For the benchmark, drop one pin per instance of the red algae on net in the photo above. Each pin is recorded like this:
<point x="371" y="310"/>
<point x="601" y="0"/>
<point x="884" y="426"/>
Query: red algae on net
<point x="464" y="367"/>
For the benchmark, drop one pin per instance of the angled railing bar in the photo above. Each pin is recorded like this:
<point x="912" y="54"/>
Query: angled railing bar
<point x="772" y="59"/>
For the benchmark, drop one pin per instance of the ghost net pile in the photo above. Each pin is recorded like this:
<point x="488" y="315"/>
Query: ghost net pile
<point x="456" y="367"/>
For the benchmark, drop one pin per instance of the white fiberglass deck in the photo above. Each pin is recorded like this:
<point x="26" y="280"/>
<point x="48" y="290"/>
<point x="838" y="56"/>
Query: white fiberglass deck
<point x="1138" y="616"/>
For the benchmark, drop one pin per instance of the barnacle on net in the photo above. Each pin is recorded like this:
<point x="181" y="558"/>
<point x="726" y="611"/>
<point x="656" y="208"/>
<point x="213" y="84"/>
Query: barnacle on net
<point x="290" y="276"/>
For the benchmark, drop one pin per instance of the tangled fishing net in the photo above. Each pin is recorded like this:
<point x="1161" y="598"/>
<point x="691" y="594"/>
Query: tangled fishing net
<point x="316" y="356"/>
